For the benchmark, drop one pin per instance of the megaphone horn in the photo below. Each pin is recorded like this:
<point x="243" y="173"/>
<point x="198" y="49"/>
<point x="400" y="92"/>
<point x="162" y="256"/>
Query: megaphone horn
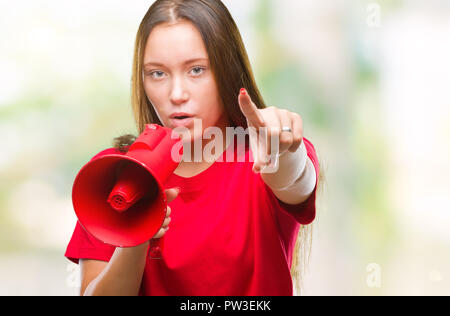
<point x="120" y="199"/>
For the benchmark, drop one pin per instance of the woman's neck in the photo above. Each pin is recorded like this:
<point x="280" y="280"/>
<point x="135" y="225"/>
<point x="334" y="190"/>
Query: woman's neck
<point x="194" y="162"/>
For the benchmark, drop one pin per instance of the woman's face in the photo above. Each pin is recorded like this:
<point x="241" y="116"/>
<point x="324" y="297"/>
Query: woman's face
<point x="178" y="80"/>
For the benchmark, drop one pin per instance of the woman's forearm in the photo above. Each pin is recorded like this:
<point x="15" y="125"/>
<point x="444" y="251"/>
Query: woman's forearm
<point x="295" y="178"/>
<point x="123" y="274"/>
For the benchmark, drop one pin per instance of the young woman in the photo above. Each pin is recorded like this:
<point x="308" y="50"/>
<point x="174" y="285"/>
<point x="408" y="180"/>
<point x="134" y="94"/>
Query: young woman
<point x="233" y="225"/>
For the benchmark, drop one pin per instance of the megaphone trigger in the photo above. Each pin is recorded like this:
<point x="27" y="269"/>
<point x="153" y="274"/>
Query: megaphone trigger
<point x="155" y="248"/>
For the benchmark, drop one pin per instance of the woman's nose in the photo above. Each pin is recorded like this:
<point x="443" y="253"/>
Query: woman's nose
<point x="179" y="93"/>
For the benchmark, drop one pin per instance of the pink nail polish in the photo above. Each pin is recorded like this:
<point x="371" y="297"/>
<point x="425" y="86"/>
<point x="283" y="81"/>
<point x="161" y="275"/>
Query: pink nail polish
<point x="243" y="91"/>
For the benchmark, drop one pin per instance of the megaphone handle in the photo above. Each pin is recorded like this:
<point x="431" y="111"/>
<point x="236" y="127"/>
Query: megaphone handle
<point x="156" y="247"/>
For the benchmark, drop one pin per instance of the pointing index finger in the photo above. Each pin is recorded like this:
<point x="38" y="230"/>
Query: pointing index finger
<point x="249" y="109"/>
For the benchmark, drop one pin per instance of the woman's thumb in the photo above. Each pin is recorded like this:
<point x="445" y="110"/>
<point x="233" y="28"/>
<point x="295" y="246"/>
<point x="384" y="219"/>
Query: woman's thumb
<point x="172" y="194"/>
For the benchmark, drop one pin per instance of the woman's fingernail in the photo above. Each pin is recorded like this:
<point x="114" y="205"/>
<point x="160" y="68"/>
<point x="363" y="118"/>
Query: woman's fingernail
<point x="243" y="92"/>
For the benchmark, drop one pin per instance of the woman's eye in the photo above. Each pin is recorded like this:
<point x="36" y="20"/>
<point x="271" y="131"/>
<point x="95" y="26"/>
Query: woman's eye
<point x="154" y="74"/>
<point x="197" y="70"/>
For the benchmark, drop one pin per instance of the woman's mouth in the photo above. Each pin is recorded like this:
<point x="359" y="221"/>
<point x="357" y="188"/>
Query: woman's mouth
<point x="182" y="120"/>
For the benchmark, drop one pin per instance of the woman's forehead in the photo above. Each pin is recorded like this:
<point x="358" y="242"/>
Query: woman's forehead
<point x="181" y="42"/>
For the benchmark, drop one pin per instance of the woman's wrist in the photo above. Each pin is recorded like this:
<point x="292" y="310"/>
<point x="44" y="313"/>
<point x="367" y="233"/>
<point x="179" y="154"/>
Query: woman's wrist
<point x="291" y="166"/>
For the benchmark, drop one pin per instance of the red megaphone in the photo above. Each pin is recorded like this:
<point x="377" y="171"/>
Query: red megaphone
<point x="120" y="199"/>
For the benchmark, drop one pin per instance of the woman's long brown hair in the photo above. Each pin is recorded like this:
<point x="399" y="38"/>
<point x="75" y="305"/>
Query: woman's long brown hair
<point x="228" y="59"/>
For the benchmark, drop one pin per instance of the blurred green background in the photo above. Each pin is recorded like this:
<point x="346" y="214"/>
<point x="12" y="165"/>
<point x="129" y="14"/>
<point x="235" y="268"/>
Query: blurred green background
<point x="370" y="79"/>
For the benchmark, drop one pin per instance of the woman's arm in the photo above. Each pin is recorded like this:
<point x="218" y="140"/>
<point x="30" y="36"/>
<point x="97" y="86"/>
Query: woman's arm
<point x="122" y="275"/>
<point x="293" y="178"/>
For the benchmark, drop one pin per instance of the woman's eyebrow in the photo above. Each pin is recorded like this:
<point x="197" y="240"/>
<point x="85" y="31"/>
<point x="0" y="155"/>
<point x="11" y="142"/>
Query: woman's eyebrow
<point x="153" y="63"/>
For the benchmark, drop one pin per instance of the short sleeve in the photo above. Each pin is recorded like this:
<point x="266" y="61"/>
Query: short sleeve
<point x="83" y="245"/>
<point x="305" y="212"/>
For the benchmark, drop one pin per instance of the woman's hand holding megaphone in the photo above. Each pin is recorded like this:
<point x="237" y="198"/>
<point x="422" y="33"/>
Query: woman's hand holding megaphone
<point x="171" y="195"/>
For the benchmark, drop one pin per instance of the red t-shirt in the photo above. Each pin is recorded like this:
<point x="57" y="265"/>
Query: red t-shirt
<point x="229" y="235"/>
